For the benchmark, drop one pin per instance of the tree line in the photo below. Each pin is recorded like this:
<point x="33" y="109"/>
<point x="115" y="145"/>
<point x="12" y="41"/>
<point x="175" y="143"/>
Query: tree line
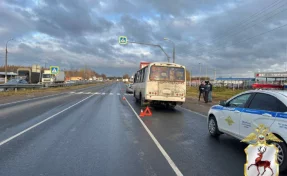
<point x="85" y="73"/>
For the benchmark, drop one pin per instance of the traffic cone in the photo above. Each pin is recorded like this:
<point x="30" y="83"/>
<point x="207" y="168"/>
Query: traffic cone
<point x="142" y="113"/>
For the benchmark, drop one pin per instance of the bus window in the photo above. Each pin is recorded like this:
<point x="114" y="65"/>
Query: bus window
<point x="160" y="73"/>
<point x="179" y="74"/>
<point x="143" y="74"/>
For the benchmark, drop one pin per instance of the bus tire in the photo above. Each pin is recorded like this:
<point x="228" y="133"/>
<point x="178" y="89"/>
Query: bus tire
<point x="141" y="100"/>
<point x="137" y="100"/>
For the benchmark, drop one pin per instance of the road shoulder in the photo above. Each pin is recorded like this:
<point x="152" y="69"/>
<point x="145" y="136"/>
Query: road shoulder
<point x="193" y="104"/>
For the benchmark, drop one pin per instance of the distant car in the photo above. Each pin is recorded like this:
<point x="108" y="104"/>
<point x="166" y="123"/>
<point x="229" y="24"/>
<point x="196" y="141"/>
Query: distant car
<point x="14" y="82"/>
<point x="241" y="114"/>
<point x="70" y="82"/>
<point x="129" y="88"/>
<point x="17" y="81"/>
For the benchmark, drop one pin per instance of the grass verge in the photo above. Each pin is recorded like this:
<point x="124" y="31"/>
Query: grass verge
<point x="218" y="93"/>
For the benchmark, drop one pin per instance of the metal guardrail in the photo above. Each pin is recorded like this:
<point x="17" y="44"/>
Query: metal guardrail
<point x="7" y="86"/>
<point x="34" y="86"/>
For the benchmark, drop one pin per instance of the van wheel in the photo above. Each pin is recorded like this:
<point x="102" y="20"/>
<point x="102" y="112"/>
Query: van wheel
<point x="212" y="127"/>
<point x="282" y="153"/>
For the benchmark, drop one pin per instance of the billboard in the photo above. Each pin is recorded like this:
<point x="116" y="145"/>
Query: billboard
<point x="271" y="75"/>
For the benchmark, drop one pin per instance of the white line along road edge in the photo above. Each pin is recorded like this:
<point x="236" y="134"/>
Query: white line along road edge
<point x="167" y="157"/>
<point x="39" y="123"/>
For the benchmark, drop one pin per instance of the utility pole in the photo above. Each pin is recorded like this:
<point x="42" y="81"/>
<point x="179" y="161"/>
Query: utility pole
<point x="85" y="72"/>
<point x="6" y="58"/>
<point x="214" y="74"/>
<point x="190" y="77"/>
<point x="206" y="73"/>
<point x="199" y="72"/>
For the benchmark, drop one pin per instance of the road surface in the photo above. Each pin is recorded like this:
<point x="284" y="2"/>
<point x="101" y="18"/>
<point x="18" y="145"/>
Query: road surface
<point x="95" y="132"/>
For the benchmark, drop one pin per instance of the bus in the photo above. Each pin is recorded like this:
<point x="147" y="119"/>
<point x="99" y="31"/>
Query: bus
<point x="160" y="83"/>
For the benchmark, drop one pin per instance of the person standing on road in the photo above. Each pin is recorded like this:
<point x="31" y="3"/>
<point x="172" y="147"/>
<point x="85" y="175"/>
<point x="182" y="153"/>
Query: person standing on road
<point x="206" y="92"/>
<point x="201" y="90"/>
<point x="210" y="93"/>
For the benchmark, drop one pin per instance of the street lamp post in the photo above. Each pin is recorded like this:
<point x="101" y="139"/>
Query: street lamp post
<point x="6" y="57"/>
<point x="173" y="53"/>
<point x="152" y="45"/>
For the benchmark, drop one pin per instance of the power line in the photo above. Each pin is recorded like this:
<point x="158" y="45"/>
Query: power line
<point x="248" y="23"/>
<point x="248" y="27"/>
<point x="250" y="38"/>
<point x="255" y="14"/>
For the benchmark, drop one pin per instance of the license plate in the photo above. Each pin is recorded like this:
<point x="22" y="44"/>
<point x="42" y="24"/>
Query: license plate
<point x="166" y="91"/>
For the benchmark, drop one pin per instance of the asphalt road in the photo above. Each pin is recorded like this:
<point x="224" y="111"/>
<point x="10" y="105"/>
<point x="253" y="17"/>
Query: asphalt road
<point x="95" y="132"/>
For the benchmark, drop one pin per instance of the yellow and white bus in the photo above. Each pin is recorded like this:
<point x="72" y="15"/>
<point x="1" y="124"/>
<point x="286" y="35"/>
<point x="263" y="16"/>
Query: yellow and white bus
<point x="160" y="83"/>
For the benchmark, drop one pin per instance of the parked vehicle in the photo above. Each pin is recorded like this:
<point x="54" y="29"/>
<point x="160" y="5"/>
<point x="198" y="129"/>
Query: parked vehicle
<point x="129" y="88"/>
<point x="28" y="75"/>
<point x="160" y="83"/>
<point x="241" y="114"/>
<point x="70" y="82"/>
<point x="14" y="82"/>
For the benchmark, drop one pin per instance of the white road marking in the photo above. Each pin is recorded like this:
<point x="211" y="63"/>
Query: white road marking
<point x="118" y="94"/>
<point x="96" y="93"/>
<point x="103" y="93"/>
<point x="72" y="92"/>
<point x="111" y="93"/>
<point x="193" y="112"/>
<point x="79" y="92"/>
<point x="161" y="149"/>
<point x="39" y="123"/>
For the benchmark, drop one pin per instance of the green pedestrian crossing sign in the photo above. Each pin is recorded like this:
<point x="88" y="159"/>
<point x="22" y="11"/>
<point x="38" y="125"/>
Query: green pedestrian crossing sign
<point x="123" y="40"/>
<point x="54" y="70"/>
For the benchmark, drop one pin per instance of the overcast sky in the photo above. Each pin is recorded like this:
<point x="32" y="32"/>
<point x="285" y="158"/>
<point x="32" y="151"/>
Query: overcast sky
<point x="235" y="37"/>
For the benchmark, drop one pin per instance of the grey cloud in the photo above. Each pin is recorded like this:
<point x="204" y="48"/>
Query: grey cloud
<point x="136" y="29"/>
<point x="70" y="23"/>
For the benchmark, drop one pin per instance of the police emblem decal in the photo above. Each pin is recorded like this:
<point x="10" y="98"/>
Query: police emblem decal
<point x="261" y="158"/>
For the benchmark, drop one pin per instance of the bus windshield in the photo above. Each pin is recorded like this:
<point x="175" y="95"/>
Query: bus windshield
<point x="162" y="73"/>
